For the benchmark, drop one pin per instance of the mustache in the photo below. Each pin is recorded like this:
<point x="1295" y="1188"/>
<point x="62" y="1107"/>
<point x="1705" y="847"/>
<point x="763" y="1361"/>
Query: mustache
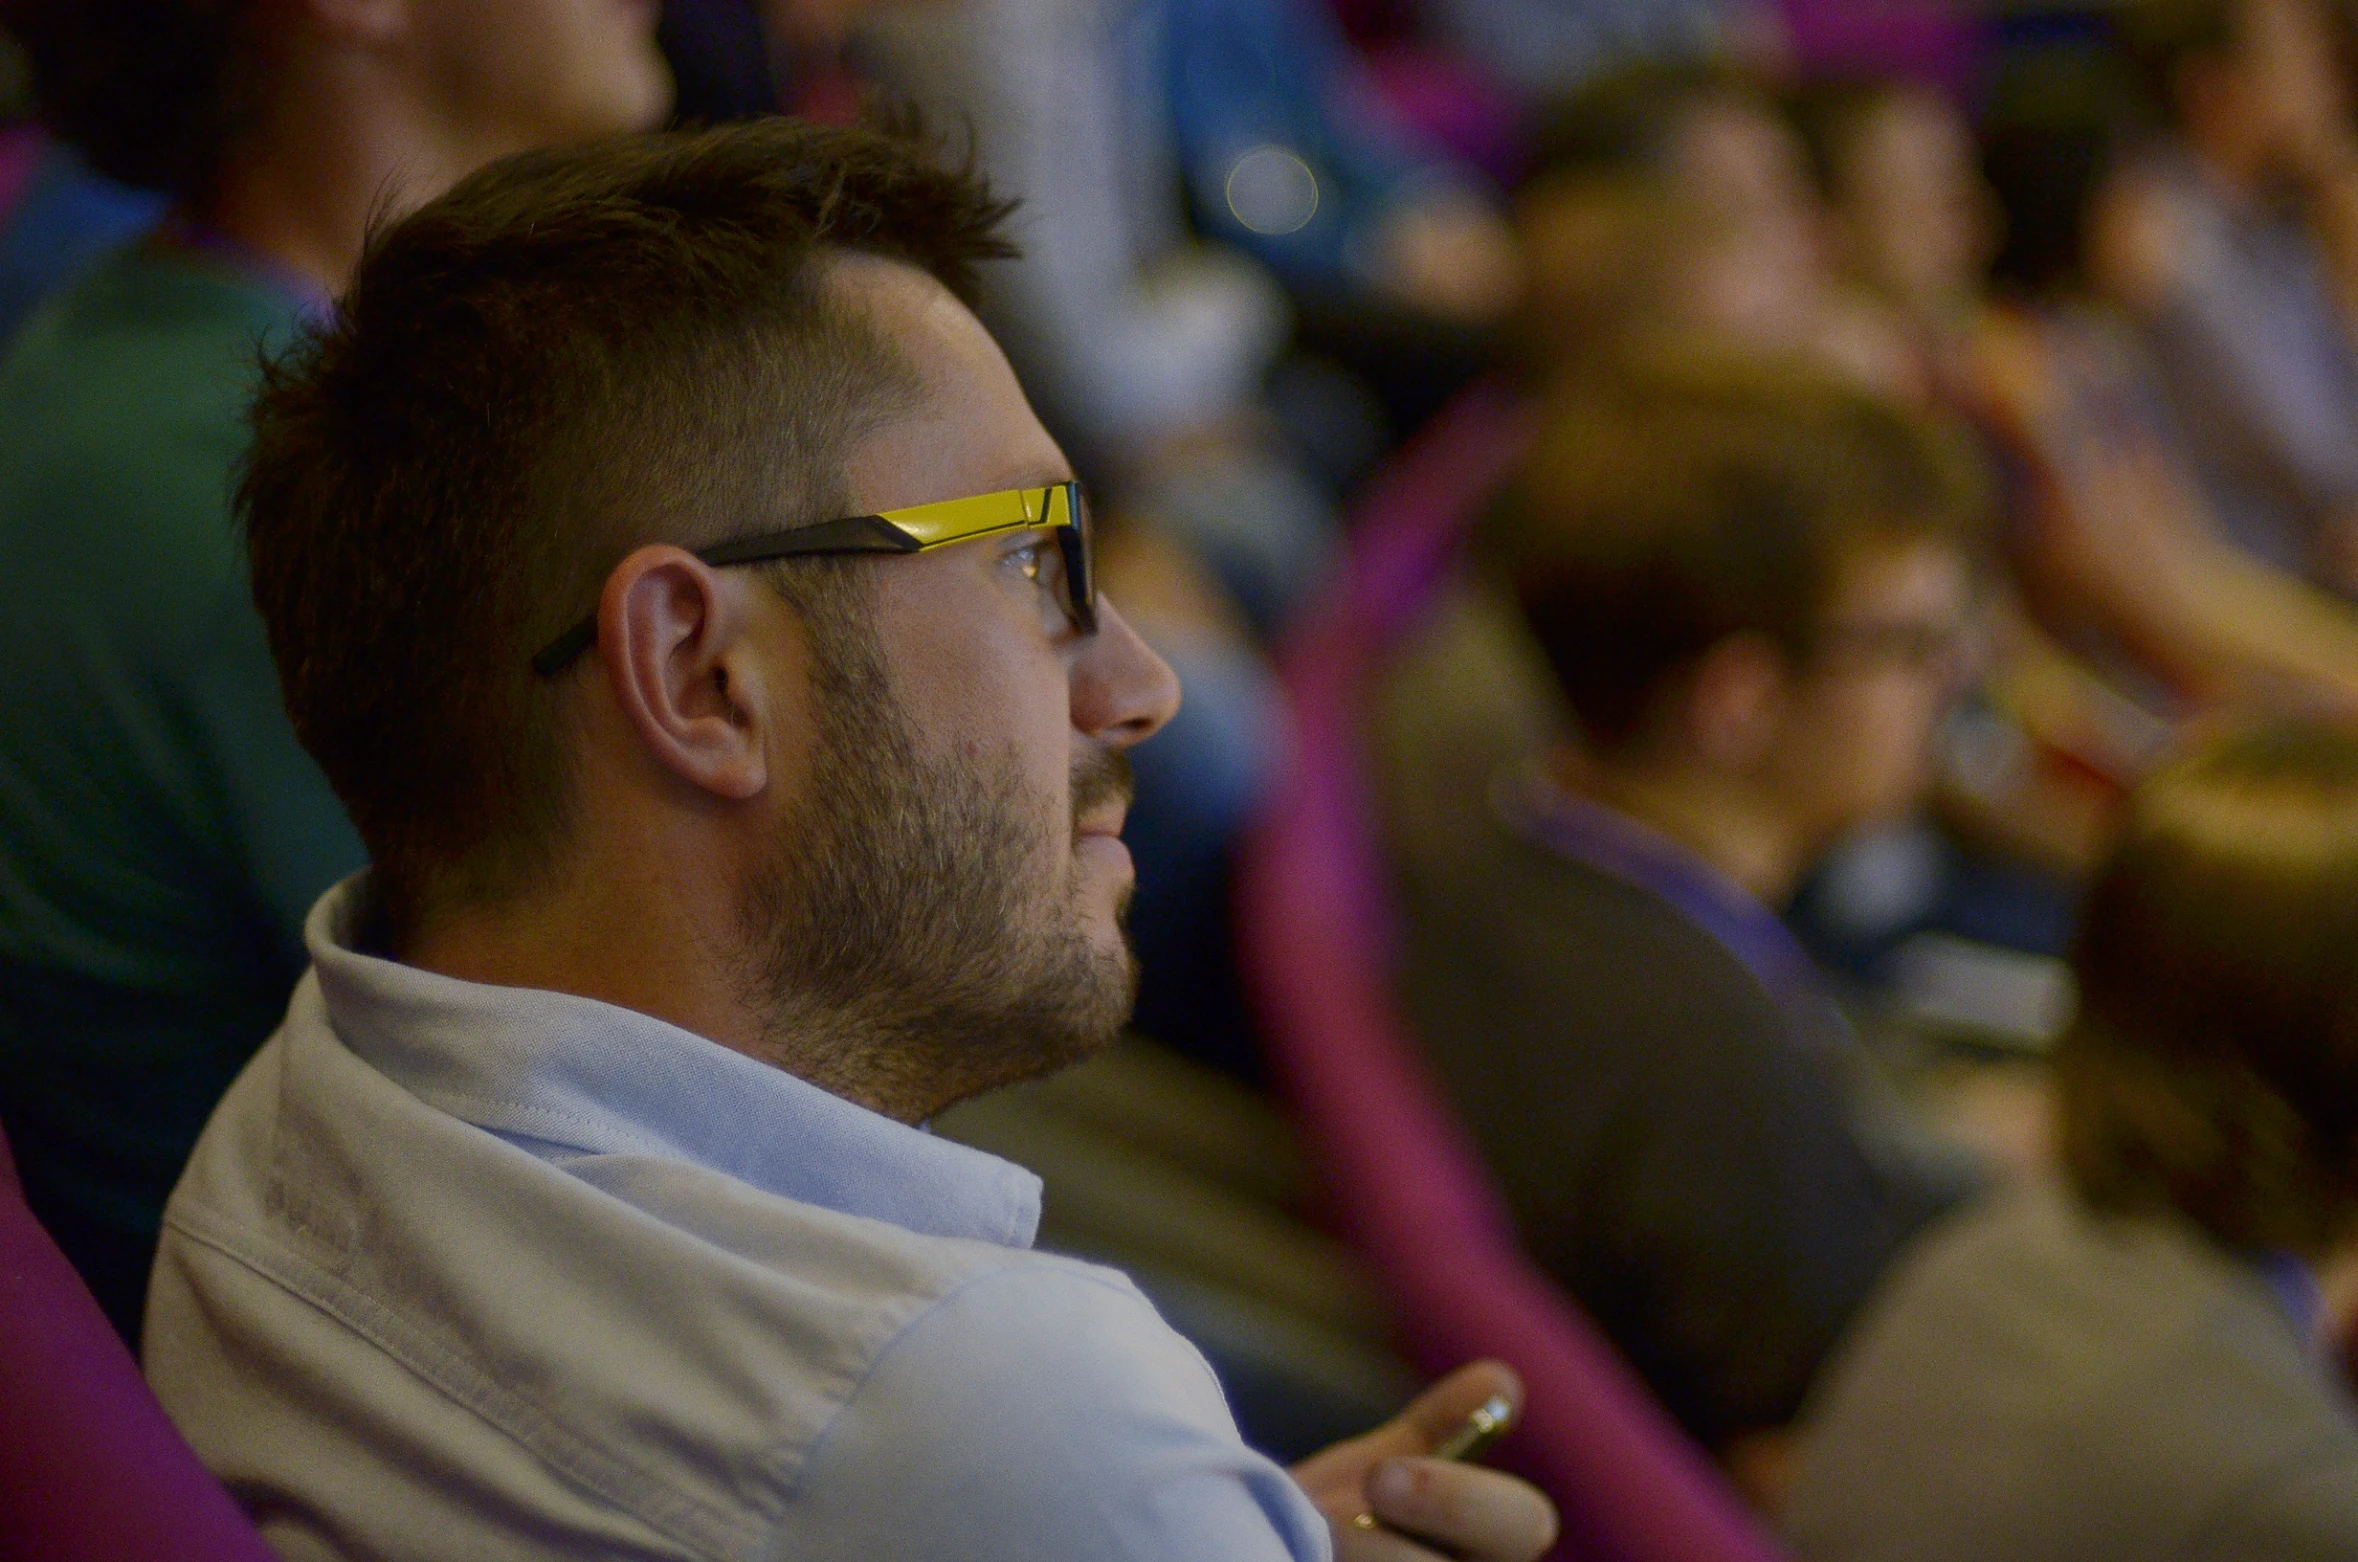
<point x="1101" y="778"/>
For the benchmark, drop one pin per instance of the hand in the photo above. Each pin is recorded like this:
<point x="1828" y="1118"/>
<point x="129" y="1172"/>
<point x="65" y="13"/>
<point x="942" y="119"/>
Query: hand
<point x="1462" y="1510"/>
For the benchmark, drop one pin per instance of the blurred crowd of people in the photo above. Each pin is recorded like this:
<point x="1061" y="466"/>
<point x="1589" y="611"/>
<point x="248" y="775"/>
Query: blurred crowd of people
<point x="1921" y="434"/>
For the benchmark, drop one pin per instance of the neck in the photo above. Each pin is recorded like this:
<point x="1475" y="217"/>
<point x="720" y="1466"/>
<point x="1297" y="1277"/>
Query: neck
<point x="1720" y="818"/>
<point x="342" y="143"/>
<point x="649" y="932"/>
<point x="640" y="934"/>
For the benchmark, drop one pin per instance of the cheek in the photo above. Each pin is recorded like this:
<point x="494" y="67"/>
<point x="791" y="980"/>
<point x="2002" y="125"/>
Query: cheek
<point x="576" y="67"/>
<point x="989" y="698"/>
<point x="1876" y="737"/>
<point x="1895" y="730"/>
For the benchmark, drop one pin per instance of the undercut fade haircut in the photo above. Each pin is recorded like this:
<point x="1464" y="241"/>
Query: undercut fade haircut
<point x="2213" y="1068"/>
<point x="149" y="91"/>
<point x="572" y="354"/>
<point x="1686" y="496"/>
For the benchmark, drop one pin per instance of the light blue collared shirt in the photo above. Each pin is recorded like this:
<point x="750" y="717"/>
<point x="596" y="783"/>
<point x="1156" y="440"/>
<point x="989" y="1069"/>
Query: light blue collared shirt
<point x="465" y="1271"/>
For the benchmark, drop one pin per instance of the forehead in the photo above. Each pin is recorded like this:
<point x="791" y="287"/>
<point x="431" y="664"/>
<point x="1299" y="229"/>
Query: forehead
<point x="969" y="429"/>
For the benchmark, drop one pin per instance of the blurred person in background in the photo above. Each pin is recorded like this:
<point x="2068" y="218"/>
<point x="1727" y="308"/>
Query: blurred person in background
<point x="2033" y="763"/>
<point x="2120" y="551"/>
<point x="2143" y="1359"/>
<point x="1678" y="202"/>
<point x="2233" y="241"/>
<point x="162" y="832"/>
<point x="1549" y="50"/>
<point x="57" y="216"/>
<point x="1912" y="224"/>
<point x="1395" y="258"/>
<point x="1749" y="586"/>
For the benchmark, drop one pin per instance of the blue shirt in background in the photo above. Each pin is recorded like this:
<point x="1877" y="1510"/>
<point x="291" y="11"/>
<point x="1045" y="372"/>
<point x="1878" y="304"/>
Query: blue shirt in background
<point x="66" y="218"/>
<point x="1287" y="150"/>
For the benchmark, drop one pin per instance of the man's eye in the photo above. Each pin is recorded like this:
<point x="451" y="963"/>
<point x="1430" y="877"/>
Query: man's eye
<point x="1031" y="559"/>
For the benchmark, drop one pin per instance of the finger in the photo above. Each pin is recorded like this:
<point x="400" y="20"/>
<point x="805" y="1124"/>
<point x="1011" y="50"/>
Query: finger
<point x="1467" y="1510"/>
<point x="1374" y="1543"/>
<point x="1443" y="1408"/>
<point x="1337" y="1476"/>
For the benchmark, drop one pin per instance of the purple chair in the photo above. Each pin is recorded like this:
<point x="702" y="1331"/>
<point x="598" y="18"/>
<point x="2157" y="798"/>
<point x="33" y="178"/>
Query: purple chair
<point x="1941" y="43"/>
<point x="90" y="1468"/>
<point x="21" y="147"/>
<point x="1407" y="1184"/>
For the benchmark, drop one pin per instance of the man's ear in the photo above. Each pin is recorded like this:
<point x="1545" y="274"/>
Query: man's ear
<point x="1737" y="699"/>
<point x="673" y="642"/>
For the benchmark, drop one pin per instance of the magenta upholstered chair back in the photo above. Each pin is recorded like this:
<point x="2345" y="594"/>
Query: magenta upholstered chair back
<point x="21" y="147"/>
<point x="1941" y="43"/>
<point x="1407" y="1183"/>
<point x="90" y="1469"/>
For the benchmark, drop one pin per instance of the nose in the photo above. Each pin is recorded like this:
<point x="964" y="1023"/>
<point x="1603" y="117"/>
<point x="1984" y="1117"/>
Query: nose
<point x="1122" y="692"/>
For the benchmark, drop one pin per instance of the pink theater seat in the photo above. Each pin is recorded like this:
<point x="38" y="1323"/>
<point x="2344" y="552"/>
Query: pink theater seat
<point x="21" y="147"/>
<point x="90" y="1469"/>
<point x="1940" y="43"/>
<point x="1406" y="1181"/>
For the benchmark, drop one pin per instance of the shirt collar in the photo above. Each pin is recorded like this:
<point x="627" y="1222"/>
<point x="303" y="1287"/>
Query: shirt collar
<point x="558" y="1069"/>
<point x="1612" y="843"/>
<point x="2297" y="1291"/>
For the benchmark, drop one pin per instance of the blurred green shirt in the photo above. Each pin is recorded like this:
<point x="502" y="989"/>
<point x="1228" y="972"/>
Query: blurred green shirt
<point x="161" y="832"/>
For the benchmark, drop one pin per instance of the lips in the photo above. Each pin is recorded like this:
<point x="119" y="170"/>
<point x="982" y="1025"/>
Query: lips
<point x="1102" y="824"/>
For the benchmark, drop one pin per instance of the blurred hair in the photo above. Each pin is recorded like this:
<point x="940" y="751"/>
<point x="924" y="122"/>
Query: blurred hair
<point x="2056" y="127"/>
<point x="1599" y="251"/>
<point x="150" y="91"/>
<point x="1625" y="123"/>
<point x="1829" y="114"/>
<point x="1686" y="497"/>
<point x="2213" y="1068"/>
<point x="573" y="353"/>
<point x="2160" y="36"/>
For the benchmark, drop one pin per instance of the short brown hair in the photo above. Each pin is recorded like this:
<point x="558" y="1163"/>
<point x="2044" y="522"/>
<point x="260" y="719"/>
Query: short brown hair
<point x="1687" y="496"/>
<point x="573" y="353"/>
<point x="2213" y="1068"/>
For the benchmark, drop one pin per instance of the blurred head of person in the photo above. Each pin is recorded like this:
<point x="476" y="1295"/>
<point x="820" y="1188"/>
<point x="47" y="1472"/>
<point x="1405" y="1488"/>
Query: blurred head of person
<point x="1751" y="582"/>
<point x="1680" y="202"/>
<point x="2085" y="213"/>
<point x="857" y="816"/>
<point x="166" y="94"/>
<point x="2213" y="1069"/>
<point x="2256" y="88"/>
<point x="1912" y="219"/>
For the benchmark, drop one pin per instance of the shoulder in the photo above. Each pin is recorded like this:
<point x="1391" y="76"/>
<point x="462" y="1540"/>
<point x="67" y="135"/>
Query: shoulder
<point x="2305" y="1509"/>
<point x="1044" y="1408"/>
<point x="148" y="356"/>
<point x="1050" y="1341"/>
<point x="2116" y="1387"/>
<point x="125" y="403"/>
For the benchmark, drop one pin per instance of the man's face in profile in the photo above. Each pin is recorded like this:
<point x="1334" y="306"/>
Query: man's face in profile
<point x="950" y="876"/>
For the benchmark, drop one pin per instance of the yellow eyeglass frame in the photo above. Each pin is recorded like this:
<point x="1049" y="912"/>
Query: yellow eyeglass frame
<point x="1059" y="507"/>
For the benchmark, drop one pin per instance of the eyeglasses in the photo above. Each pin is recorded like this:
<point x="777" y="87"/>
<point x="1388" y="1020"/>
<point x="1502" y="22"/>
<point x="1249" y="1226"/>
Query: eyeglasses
<point x="1059" y="507"/>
